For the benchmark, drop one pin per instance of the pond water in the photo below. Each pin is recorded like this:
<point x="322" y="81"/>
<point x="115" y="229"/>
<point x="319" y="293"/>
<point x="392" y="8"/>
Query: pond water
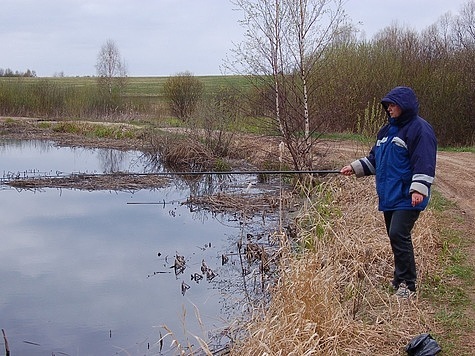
<point x="89" y="272"/>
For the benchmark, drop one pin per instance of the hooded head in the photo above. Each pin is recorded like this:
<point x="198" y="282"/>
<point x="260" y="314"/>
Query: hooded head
<point x="406" y="99"/>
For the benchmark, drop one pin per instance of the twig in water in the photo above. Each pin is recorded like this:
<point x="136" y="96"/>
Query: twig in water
<point x="7" y="348"/>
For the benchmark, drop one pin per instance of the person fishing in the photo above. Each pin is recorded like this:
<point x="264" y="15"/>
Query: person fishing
<point x="403" y="160"/>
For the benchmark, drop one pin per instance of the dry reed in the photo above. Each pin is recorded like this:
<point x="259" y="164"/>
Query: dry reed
<point x="334" y="297"/>
<point x="118" y="181"/>
<point x="182" y="153"/>
<point x="246" y="204"/>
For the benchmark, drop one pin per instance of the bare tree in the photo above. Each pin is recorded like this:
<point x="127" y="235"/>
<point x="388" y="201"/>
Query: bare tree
<point x="313" y="25"/>
<point x="285" y="40"/>
<point x="464" y="29"/>
<point x="111" y="69"/>
<point x="464" y="26"/>
<point x="437" y="38"/>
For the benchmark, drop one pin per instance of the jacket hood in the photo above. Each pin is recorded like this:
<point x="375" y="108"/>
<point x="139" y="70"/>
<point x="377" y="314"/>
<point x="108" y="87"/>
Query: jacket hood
<point x="406" y="99"/>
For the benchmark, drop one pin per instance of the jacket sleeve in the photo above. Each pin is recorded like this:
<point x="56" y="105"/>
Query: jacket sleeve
<point x="365" y="166"/>
<point x="423" y="155"/>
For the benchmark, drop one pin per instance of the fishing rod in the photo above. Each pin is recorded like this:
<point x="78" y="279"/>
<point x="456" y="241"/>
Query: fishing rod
<point x="250" y="172"/>
<point x="5" y="180"/>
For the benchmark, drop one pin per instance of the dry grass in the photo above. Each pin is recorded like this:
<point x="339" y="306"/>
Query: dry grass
<point x="118" y="181"/>
<point x="184" y="150"/>
<point x="333" y="297"/>
<point x="183" y="153"/>
<point x="245" y="204"/>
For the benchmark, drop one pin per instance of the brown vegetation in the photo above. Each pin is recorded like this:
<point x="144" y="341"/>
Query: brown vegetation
<point x="119" y="182"/>
<point x="334" y="296"/>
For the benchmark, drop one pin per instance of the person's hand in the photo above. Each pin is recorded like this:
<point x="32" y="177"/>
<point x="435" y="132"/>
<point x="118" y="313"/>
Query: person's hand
<point x="347" y="170"/>
<point x="417" y="198"/>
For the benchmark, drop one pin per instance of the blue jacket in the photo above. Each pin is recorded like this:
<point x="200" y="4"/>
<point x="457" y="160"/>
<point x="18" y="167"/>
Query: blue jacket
<point x="404" y="156"/>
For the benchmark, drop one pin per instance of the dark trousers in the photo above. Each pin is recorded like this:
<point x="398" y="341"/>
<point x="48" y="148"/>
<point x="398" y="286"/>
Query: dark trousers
<point x="399" y="224"/>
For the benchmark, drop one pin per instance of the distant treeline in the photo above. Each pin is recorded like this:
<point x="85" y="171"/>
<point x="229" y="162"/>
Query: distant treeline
<point x="353" y="75"/>
<point x="10" y="73"/>
<point x="356" y="75"/>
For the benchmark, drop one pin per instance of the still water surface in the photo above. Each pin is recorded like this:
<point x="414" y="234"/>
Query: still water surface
<point x="88" y="273"/>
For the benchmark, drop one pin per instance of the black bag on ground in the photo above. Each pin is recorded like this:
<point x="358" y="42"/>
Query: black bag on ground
<point x="423" y="345"/>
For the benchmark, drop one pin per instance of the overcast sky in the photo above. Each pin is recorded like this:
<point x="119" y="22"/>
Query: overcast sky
<point x="159" y="37"/>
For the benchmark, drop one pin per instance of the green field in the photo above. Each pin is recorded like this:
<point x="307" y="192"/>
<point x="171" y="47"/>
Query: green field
<point x="138" y="86"/>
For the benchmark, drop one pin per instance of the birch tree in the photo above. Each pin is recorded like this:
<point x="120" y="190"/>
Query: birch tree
<point x="284" y="44"/>
<point x="111" y="70"/>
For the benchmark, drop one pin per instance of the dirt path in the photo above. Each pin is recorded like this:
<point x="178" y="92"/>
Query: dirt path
<point x="455" y="179"/>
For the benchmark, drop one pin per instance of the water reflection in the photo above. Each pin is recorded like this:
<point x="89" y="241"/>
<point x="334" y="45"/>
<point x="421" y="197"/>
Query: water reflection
<point x="112" y="161"/>
<point x="90" y="273"/>
<point x="38" y="158"/>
